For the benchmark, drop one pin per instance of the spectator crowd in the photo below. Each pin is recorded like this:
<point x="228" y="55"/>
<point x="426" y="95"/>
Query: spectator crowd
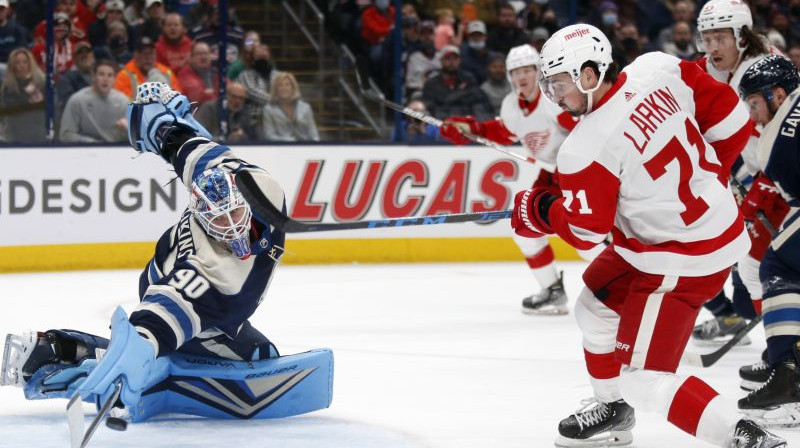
<point x="103" y="50"/>
<point x="452" y="61"/>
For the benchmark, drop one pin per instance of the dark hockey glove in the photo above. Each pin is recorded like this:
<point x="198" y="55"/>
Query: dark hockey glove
<point x="531" y="208"/>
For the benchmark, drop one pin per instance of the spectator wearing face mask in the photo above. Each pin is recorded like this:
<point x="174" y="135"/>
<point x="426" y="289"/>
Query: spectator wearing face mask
<point x="682" y="11"/>
<point x="257" y="79"/>
<point x="115" y="48"/>
<point x="98" y="31"/>
<point x="606" y="17"/>
<point x="96" y="113"/>
<point x="681" y="42"/>
<point x="474" y="54"/>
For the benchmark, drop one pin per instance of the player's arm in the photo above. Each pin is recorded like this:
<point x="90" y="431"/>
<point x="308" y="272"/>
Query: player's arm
<point x="581" y="212"/>
<point x="722" y="118"/>
<point x="494" y="130"/>
<point x="178" y="307"/>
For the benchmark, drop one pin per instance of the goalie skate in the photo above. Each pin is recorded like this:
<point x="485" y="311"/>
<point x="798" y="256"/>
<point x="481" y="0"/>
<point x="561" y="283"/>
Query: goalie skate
<point x="549" y="301"/>
<point x="597" y="424"/>
<point x="16" y="352"/>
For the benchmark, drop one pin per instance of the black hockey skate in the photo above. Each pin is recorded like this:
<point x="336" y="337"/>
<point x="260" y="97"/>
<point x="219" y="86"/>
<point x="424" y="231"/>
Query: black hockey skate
<point x="549" y="301"/>
<point x="747" y="434"/>
<point x="597" y="424"/>
<point x="719" y="330"/>
<point x="777" y="402"/>
<point x="754" y="375"/>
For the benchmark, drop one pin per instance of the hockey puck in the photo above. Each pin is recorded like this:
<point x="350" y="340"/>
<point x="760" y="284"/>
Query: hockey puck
<point x="116" y="423"/>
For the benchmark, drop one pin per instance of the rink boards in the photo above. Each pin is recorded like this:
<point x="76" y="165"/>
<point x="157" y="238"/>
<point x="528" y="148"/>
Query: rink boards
<point x="104" y="207"/>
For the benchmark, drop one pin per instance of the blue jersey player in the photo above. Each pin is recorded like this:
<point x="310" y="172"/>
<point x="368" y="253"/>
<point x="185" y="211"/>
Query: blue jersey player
<point x="188" y="347"/>
<point x="770" y="88"/>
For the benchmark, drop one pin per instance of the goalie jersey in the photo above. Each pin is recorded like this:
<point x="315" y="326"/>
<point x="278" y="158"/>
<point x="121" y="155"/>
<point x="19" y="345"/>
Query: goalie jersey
<point x="193" y="283"/>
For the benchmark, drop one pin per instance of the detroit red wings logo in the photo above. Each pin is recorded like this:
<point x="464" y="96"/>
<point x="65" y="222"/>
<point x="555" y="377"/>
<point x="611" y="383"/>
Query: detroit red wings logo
<point x="537" y="141"/>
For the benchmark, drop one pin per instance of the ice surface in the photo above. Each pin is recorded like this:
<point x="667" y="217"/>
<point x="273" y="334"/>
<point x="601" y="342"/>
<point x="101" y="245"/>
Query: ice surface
<point x="435" y="355"/>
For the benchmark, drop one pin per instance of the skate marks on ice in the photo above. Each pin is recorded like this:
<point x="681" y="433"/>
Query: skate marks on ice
<point x="310" y="431"/>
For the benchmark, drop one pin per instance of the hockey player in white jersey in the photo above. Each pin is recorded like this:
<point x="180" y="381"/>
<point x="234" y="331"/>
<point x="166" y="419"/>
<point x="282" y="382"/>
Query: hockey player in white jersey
<point x="541" y="127"/>
<point x="188" y="346"/>
<point x="770" y="88"/>
<point x="648" y="162"/>
<point x="726" y="35"/>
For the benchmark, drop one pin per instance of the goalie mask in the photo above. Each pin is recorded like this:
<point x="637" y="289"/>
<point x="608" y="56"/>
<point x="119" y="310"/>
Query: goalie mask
<point x="221" y="210"/>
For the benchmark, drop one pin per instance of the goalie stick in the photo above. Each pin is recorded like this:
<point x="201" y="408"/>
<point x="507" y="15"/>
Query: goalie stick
<point x="709" y="359"/>
<point x="266" y="210"/>
<point x="377" y="96"/>
<point x="79" y="439"/>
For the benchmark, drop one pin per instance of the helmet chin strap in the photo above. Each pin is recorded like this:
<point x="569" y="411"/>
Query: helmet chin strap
<point x="588" y="92"/>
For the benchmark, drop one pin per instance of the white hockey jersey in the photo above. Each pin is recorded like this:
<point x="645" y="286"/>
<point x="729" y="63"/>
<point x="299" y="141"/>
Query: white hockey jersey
<point x="540" y="126"/>
<point x="650" y="165"/>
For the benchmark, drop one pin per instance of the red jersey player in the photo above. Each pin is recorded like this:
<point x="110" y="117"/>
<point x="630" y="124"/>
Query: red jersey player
<point x="541" y="127"/>
<point x="648" y="161"/>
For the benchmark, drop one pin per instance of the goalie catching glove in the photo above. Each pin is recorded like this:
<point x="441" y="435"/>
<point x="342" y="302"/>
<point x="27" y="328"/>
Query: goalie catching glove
<point x="157" y="114"/>
<point x="531" y="207"/>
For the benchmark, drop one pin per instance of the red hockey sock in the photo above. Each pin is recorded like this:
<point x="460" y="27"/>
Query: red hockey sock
<point x="602" y="366"/>
<point x="541" y="258"/>
<point x="689" y="403"/>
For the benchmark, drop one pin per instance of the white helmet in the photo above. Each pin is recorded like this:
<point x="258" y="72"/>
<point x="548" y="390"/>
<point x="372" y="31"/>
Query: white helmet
<point x="722" y="14"/>
<point x="571" y="47"/>
<point x="522" y="56"/>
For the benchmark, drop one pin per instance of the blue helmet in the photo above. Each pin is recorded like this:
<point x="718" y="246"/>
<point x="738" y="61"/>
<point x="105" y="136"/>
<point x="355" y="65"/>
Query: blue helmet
<point x="772" y="71"/>
<point x="220" y="208"/>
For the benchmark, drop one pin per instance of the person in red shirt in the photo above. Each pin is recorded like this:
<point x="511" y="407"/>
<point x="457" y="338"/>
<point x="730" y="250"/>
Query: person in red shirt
<point x="64" y="47"/>
<point x="377" y="21"/>
<point x="198" y="78"/>
<point x="173" y="47"/>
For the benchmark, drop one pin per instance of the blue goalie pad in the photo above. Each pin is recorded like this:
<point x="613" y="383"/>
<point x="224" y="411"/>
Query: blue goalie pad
<point x="224" y="389"/>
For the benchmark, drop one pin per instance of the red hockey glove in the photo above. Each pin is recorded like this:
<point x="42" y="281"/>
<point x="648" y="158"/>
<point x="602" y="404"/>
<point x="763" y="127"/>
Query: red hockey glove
<point x="764" y="196"/>
<point x="452" y="128"/>
<point x="531" y="207"/>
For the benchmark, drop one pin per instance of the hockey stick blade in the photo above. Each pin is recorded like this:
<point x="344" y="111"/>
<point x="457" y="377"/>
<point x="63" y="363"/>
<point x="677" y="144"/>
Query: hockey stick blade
<point x="709" y="359"/>
<point x="79" y="439"/>
<point x="266" y="211"/>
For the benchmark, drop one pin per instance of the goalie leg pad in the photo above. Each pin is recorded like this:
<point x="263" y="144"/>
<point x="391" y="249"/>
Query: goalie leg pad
<point x="226" y="389"/>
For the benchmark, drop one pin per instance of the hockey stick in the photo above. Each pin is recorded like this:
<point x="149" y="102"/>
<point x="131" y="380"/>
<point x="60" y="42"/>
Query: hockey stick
<point x="709" y="359"/>
<point x="79" y="439"/>
<point x="370" y="93"/>
<point x="264" y="209"/>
